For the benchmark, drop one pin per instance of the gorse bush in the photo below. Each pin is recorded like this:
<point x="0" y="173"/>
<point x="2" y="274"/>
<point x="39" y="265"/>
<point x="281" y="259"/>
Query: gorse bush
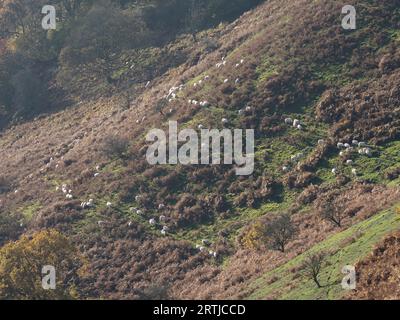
<point x="20" y="278"/>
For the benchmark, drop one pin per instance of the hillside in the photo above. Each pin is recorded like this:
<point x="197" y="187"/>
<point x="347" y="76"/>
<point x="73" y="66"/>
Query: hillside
<point x="282" y="59"/>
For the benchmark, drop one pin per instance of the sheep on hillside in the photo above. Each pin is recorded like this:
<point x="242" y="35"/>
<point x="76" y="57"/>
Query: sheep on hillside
<point x="289" y="121"/>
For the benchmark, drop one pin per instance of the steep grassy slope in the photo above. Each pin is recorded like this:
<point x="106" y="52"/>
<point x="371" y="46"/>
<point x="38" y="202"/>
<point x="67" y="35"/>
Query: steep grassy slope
<point x="344" y="248"/>
<point x="297" y="62"/>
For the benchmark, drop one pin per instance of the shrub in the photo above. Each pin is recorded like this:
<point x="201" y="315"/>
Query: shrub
<point x="115" y="147"/>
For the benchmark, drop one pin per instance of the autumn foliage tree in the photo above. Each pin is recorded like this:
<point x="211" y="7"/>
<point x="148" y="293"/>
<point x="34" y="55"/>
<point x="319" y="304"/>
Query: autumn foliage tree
<point x="21" y="264"/>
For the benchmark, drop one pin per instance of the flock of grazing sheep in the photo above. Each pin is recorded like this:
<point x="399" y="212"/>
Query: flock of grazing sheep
<point x="345" y="148"/>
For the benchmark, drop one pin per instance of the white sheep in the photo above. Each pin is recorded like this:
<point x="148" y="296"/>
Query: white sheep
<point x="69" y="196"/>
<point x="349" y="162"/>
<point x="162" y="218"/>
<point x="138" y="197"/>
<point x="96" y="174"/>
<point x="289" y="121"/>
<point x="240" y="112"/>
<point x="299" y="127"/>
<point x="321" y="142"/>
<point x="296" y="122"/>
<point x="200" y="126"/>
<point x="226" y="80"/>
<point x="361" y="144"/>
<point x="334" y="171"/>
<point x="132" y="209"/>
<point x="224" y="121"/>
<point x="237" y="80"/>
<point x="354" y="171"/>
<point x="108" y="204"/>
<point x="152" y="222"/>
<point x="139" y="212"/>
<point x="355" y="142"/>
<point x="161" y="206"/>
<point x="340" y="145"/>
<point x="207" y="77"/>
<point x="249" y="108"/>
<point x="285" y="169"/>
<point x="346" y="145"/>
<point x="163" y="232"/>
<point x="165" y="228"/>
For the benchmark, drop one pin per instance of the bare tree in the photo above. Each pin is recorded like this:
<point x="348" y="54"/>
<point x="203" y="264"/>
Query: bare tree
<point x="313" y="266"/>
<point x="280" y="232"/>
<point x="333" y="212"/>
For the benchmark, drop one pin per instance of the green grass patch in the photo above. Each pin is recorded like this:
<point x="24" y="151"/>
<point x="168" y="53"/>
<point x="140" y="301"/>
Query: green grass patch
<point x="29" y="211"/>
<point x="346" y="247"/>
